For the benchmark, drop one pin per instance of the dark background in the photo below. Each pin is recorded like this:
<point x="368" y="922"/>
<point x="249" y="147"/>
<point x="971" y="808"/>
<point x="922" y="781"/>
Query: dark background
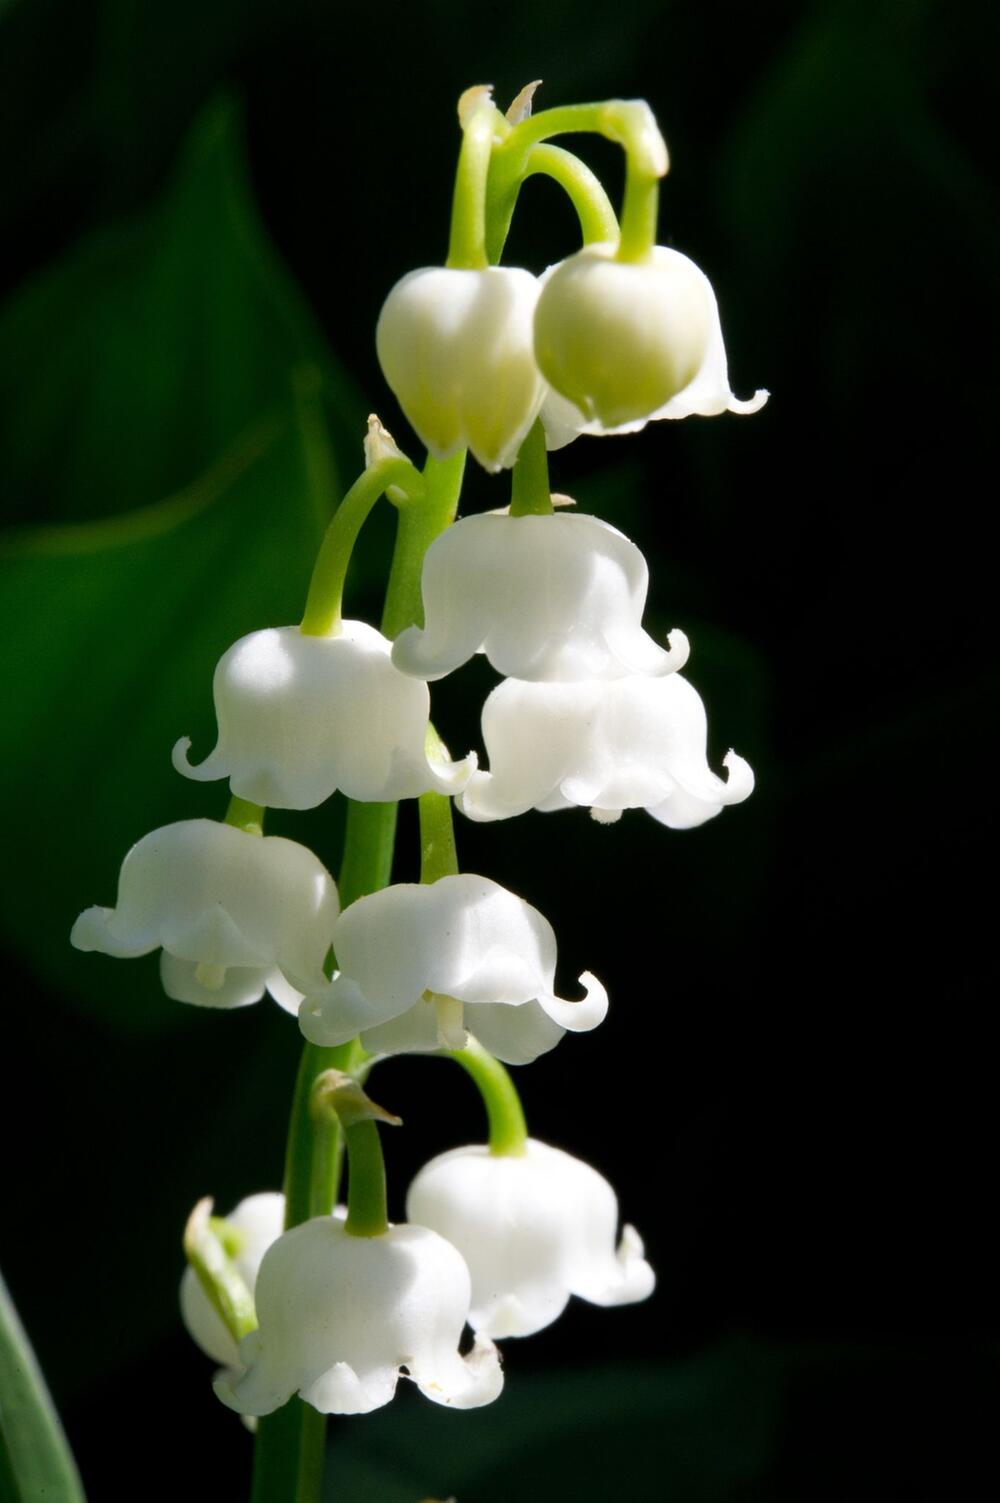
<point x="794" y="1090"/>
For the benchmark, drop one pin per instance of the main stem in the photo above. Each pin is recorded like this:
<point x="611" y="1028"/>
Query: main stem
<point x="290" y="1445"/>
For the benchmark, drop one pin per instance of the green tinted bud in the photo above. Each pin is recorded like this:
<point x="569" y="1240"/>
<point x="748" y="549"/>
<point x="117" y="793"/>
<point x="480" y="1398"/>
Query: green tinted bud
<point x="619" y="339"/>
<point x="455" y="345"/>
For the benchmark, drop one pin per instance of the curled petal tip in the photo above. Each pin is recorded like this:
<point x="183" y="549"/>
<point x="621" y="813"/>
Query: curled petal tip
<point x="451" y="776"/>
<point x="91" y="929"/>
<point x="579" y="1017"/>
<point x="740" y="781"/>
<point x="752" y="404"/>
<point x="678" y="649"/>
<point x="203" y="772"/>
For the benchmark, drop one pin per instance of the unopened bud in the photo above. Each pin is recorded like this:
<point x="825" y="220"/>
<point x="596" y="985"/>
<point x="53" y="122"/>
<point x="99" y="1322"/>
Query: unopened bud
<point x="619" y="339"/>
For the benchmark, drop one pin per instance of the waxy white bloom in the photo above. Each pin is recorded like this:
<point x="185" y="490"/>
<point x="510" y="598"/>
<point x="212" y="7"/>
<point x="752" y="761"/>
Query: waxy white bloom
<point x="609" y="745"/>
<point x="422" y="966"/>
<point x="622" y="343"/>
<point x="457" y="349"/>
<point x="545" y="597"/>
<point x="301" y="716"/>
<point x="533" y="1229"/>
<point x="340" y="1315"/>
<point x="258" y="1221"/>
<point x="218" y="897"/>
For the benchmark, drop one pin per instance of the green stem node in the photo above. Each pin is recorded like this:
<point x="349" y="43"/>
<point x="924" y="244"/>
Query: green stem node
<point x="467" y="242"/>
<point x="630" y="123"/>
<point x="438" y="856"/>
<point x="598" y="221"/>
<point x="322" y="614"/>
<point x="367" y="1214"/>
<point x="245" y="816"/>
<point x="508" y="1129"/>
<point x="529" y="484"/>
<point x="416" y="529"/>
<point x="639" y="215"/>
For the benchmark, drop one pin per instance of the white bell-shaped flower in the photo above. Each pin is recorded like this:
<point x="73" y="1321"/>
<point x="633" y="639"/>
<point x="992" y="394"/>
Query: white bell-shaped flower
<point x="301" y="716"/>
<point x="545" y="597"/>
<point x="533" y="1229"/>
<point x="218" y="897"/>
<point x="424" y="965"/>
<point x="623" y="343"/>
<point x="457" y="348"/>
<point x="257" y="1221"/>
<point x="340" y="1315"/>
<point x="618" y="744"/>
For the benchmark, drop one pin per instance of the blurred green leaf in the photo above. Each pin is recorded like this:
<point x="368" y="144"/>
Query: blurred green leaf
<point x="698" y="1432"/>
<point x="169" y="383"/>
<point x="35" y="1461"/>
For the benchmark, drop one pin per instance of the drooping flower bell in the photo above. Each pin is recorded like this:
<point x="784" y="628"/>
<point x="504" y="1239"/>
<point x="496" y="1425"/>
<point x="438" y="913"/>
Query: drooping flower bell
<point x="301" y="716"/>
<point x="610" y="745"/>
<point x="219" y="897"/>
<point x="424" y="965"/>
<point x="255" y="1223"/>
<point x="340" y="1315"/>
<point x="533" y="1228"/>
<point x="545" y="597"/>
<point x="624" y="342"/>
<point x="456" y="346"/>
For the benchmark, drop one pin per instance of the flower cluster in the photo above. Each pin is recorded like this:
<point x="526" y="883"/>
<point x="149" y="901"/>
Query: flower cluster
<point x="592" y="711"/>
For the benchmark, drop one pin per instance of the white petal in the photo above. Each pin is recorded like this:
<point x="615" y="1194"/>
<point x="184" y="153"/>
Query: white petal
<point x="301" y="716"/>
<point x="517" y="1035"/>
<point x="630" y="1280"/>
<point x="415" y="1031"/>
<point x="579" y="1017"/>
<point x="545" y="597"/>
<point x="241" y="986"/>
<point x="461" y="1382"/>
<point x="340" y="1390"/>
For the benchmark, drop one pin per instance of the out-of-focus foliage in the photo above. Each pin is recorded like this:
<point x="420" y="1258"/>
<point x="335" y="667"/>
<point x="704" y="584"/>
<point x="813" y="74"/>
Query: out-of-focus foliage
<point x="34" y="1461"/>
<point x="187" y="406"/>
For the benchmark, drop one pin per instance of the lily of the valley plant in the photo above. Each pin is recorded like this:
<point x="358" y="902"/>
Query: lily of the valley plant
<point x="311" y="1307"/>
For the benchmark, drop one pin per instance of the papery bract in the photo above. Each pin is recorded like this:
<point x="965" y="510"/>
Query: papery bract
<point x="422" y="966"/>
<point x="456" y="346"/>
<point x="258" y="1221"/>
<point x="219" y="897"/>
<point x="533" y="1228"/>
<point x="609" y="745"/>
<point x="340" y="1315"/>
<point x="301" y="716"/>
<point x="545" y="597"/>
<point x="624" y="343"/>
